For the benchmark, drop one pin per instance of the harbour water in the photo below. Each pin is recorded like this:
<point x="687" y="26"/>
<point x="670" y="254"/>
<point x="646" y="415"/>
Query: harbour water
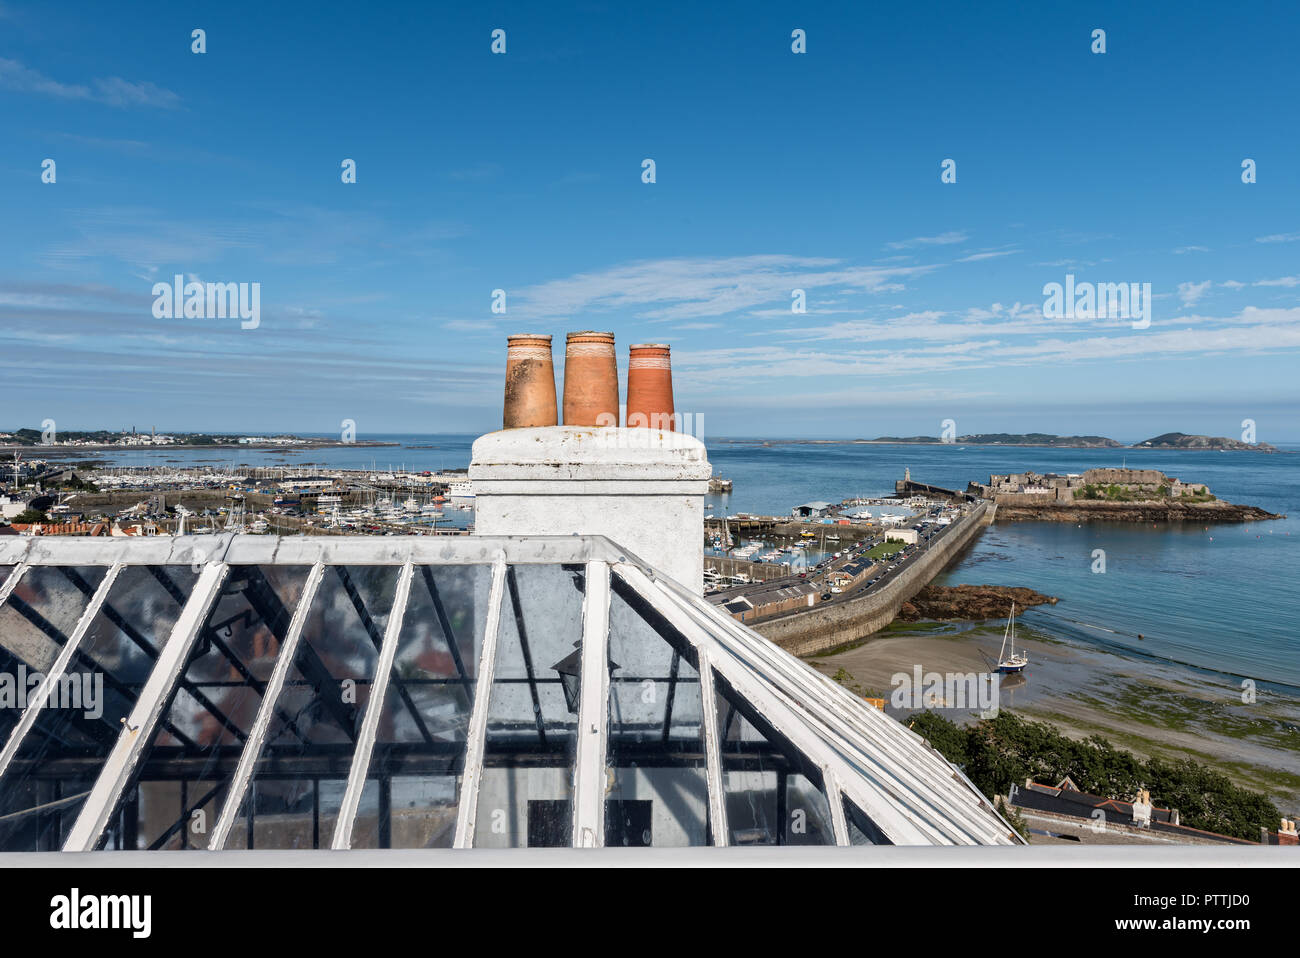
<point x="1214" y="598"/>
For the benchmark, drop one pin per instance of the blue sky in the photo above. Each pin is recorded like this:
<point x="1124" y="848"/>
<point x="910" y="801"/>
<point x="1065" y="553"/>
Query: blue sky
<point x="775" y="171"/>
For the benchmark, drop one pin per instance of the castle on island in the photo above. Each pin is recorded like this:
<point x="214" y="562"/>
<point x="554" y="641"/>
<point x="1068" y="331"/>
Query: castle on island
<point x="1131" y="484"/>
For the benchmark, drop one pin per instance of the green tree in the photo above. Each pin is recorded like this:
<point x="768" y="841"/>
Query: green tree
<point x="998" y="752"/>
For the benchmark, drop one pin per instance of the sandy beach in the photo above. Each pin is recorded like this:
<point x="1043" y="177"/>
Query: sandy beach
<point x="1146" y="706"/>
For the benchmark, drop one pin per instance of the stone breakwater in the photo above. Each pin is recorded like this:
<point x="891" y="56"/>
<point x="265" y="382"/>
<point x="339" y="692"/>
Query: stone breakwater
<point x="1150" y="511"/>
<point x="832" y="624"/>
<point x="969" y="602"/>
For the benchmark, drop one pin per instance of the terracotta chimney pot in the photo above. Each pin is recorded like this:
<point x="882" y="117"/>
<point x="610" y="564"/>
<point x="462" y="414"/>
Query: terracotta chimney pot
<point x="590" y="380"/>
<point x="650" y="387"/>
<point x="530" y="383"/>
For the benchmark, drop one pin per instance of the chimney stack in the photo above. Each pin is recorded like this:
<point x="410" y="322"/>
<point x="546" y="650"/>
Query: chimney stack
<point x="650" y="387"/>
<point x="590" y="380"/>
<point x="642" y="488"/>
<point x="530" y="383"/>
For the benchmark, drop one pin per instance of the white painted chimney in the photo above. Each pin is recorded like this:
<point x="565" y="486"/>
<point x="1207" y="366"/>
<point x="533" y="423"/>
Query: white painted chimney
<point x="643" y="488"/>
<point x="1142" y="809"/>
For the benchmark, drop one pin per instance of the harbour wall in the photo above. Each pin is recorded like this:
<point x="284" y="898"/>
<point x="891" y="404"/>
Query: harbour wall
<point x="831" y="624"/>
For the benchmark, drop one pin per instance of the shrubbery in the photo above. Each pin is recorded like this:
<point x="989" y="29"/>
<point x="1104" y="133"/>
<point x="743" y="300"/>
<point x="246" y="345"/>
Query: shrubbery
<point x="998" y="752"/>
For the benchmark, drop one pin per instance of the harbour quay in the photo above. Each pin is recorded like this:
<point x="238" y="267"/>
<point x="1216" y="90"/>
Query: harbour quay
<point x="877" y="565"/>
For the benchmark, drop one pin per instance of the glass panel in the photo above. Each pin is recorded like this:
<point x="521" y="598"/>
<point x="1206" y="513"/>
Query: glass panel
<point x="773" y="793"/>
<point x="659" y="792"/>
<point x="4" y="573"/>
<point x="34" y="624"/>
<point x="298" y="784"/>
<point x="527" y="781"/>
<point x="419" y="753"/>
<point x="61" y="757"/>
<point x="183" y="777"/>
<point x="862" y="830"/>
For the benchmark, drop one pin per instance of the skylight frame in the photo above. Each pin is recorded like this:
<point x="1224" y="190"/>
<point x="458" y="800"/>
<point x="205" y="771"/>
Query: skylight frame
<point x="912" y="794"/>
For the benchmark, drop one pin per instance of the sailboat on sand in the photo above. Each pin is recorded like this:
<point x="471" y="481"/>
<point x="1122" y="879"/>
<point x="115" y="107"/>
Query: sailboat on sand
<point x="1010" y="663"/>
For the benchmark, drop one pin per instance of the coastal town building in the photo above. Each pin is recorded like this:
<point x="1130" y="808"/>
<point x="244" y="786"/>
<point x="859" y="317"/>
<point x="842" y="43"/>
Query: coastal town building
<point x="73" y="528"/>
<point x="11" y="506"/>
<point x="307" y="484"/>
<point x="1288" y="833"/>
<point x="1064" y="813"/>
<point x="755" y="605"/>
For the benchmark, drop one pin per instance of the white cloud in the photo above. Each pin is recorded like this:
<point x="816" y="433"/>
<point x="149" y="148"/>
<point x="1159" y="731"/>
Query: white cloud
<point x="988" y="254"/>
<point x="943" y="239"/>
<point x="1191" y="249"/>
<point x="933" y="342"/>
<point x="1189" y="293"/>
<point x="1281" y="281"/>
<point x="113" y="91"/>
<point x="1279" y="238"/>
<point x="682" y="289"/>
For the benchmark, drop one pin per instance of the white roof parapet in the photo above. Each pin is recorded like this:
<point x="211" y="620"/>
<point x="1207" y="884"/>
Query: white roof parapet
<point x="587" y="452"/>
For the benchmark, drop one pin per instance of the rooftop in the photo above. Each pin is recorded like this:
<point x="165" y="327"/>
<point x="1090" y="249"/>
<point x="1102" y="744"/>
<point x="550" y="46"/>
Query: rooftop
<point x="413" y="692"/>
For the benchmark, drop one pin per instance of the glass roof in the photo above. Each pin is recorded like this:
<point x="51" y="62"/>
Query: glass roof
<point x="235" y="692"/>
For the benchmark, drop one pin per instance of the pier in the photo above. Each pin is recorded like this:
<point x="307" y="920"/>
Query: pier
<point x="906" y="487"/>
<point x="826" y="625"/>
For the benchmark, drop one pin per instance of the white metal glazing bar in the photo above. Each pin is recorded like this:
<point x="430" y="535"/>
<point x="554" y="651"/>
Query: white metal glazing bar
<point x="593" y="712"/>
<point x="473" y="775"/>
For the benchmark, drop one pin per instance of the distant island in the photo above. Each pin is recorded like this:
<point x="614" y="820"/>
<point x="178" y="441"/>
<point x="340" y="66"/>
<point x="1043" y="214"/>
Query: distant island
<point x="1181" y="440"/>
<point x="1168" y="440"/>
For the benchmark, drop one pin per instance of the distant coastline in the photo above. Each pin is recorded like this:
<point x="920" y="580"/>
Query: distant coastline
<point x="62" y="448"/>
<point x="1173" y="441"/>
<point x="98" y="440"/>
